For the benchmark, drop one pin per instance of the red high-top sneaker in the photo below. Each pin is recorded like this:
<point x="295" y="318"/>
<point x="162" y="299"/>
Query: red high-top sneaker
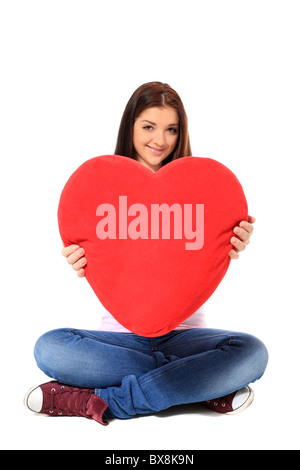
<point x="232" y="404"/>
<point x="56" y="399"/>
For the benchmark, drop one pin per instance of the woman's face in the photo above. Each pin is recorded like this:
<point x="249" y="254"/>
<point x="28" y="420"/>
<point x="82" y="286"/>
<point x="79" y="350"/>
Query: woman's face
<point x="155" y="134"/>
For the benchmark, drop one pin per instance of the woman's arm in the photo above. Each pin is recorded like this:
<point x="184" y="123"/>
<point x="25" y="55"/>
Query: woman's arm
<point x="243" y="231"/>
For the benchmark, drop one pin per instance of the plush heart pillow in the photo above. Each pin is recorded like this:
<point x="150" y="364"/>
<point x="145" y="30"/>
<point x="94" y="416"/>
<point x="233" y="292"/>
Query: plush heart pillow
<point x="156" y="244"/>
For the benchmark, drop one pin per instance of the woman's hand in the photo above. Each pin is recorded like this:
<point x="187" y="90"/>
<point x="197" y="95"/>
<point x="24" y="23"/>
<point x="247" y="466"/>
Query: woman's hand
<point x="243" y="231"/>
<point x="74" y="255"/>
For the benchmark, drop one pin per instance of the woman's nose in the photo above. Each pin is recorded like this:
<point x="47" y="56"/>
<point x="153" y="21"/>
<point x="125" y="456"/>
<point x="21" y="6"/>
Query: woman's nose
<point x="159" y="138"/>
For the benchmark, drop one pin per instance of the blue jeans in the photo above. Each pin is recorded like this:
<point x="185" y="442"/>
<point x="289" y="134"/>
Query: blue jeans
<point x="139" y="375"/>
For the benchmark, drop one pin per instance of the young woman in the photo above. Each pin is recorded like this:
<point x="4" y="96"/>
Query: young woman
<point x="113" y="373"/>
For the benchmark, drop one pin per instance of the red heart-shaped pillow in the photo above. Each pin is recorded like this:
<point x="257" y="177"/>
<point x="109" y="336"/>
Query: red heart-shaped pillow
<point x="156" y="244"/>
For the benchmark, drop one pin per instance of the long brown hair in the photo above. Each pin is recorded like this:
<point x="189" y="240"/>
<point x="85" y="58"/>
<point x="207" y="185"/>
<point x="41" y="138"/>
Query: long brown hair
<point x="147" y="96"/>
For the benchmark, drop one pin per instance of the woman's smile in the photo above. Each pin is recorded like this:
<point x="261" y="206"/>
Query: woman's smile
<point x="155" y="151"/>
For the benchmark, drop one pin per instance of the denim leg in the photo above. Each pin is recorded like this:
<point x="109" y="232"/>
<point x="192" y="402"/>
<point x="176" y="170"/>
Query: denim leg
<point x="93" y="359"/>
<point x="215" y="364"/>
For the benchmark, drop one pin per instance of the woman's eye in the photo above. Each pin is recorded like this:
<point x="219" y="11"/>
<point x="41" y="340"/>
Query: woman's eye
<point x="173" y="130"/>
<point x="148" y="128"/>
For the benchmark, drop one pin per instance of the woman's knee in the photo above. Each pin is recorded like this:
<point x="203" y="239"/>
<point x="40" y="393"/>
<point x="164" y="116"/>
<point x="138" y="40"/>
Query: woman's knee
<point x="257" y="356"/>
<point x="46" y="350"/>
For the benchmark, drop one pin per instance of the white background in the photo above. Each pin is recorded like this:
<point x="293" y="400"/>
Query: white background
<point x="68" y="70"/>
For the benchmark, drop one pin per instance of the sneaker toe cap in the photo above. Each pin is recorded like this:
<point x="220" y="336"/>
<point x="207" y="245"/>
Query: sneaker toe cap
<point x="241" y="398"/>
<point x="34" y="399"/>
